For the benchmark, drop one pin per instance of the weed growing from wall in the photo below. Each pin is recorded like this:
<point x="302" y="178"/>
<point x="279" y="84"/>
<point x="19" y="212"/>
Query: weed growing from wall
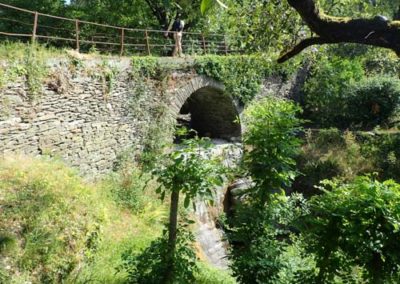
<point x="149" y="103"/>
<point x="30" y="65"/>
<point x="106" y="73"/>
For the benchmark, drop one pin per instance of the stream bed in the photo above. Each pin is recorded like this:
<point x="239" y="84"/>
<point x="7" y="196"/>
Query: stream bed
<point x="210" y="238"/>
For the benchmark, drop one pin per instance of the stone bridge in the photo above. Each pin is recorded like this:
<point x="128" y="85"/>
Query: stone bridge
<point x="89" y="119"/>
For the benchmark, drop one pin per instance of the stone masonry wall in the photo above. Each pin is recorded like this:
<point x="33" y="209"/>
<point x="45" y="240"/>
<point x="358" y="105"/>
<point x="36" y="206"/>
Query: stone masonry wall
<point x="88" y="120"/>
<point x="77" y="118"/>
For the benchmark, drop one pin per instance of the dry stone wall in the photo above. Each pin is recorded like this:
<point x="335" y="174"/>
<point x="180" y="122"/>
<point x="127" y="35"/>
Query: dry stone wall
<point x="81" y="117"/>
<point x="91" y="112"/>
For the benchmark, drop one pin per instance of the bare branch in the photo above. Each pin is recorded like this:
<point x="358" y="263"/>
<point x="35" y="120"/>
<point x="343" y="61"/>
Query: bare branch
<point x="300" y="47"/>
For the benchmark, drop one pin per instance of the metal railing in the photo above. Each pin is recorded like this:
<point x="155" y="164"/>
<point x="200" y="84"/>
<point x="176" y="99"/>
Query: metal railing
<point x="22" y="24"/>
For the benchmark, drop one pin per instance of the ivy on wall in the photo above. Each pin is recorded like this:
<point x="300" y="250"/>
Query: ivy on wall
<point x="242" y="75"/>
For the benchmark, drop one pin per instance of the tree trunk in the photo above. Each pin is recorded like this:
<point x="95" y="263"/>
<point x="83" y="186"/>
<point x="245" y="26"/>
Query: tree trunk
<point x="172" y="231"/>
<point x="376" y="32"/>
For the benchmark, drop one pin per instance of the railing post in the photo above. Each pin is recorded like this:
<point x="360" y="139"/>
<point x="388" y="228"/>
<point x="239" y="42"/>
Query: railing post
<point x="147" y="42"/>
<point x="77" y="34"/>
<point x="204" y="43"/>
<point x="35" y="24"/>
<point x="225" y="46"/>
<point x="122" y="41"/>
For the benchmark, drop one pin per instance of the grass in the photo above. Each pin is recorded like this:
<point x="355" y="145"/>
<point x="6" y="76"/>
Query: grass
<point x="55" y="227"/>
<point x="16" y="51"/>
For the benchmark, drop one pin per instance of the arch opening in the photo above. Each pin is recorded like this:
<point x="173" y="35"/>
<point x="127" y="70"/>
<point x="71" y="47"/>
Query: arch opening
<point x="211" y="113"/>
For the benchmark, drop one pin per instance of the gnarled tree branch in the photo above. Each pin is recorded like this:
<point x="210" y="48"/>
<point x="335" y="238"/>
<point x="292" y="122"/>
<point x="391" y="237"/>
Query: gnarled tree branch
<point x="376" y="32"/>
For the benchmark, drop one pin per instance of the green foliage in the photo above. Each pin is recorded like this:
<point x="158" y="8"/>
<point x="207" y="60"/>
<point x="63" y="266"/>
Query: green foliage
<point x="259" y="228"/>
<point x="56" y="228"/>
<point x="271" y="145"/>
<point x="26" y="61"/>
<point x="330" y="153"/>
<point x="147" y="67"/>
<point x="206" y="274"/>
<point x="354" y="224"/>
<point x="326" y="89"/>
<point x="359" y="92"/>
<point x="35" y="71"/>
<point x="373" y="101"/>
<point x="360" y="8"/>
<point x="381" y="62"/>
<point x="189" y="170"/>
<point x="106" y="73"/>
<point x="127" y="187"/>
<point x="149" y="266"/>
<point x="258" y="26"/>
<point x="241" y="75"/>
<point x="384" y="151"/>
<point x="265" y="251"/>
<point x="45" y="237"/>
<point x="208" y="4"/>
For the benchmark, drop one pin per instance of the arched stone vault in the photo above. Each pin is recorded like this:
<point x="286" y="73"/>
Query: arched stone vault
<point x="213" y="112"/>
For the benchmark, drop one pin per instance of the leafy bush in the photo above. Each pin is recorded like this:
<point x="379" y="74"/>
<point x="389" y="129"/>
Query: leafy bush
<point x="271" y="145"/>
<point x="384" y="151"/>
<point x="338" y="94"/>
<point x="355" y="225"/>
<point x="373" y="101"/>
<point x="206" y="274"/>
<point x="241" y="75"/>
<point x="326" y="90"/>
<point x="259" y="228"/>
<point x="380" y="62"/>
<point x="264" y="250"/>
<point x="150" y="265"/>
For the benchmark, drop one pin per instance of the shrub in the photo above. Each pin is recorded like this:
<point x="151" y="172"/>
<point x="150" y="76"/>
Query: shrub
<point x="326" y="90"/>
<point x="259" y="230"/>
<point x="373" y="101"/>
<point x="207" y="275"/>
<point x="264" y="249"/>
<point x="384" y="151"/>
<point x="241" y="75"/>
<point x="330" y="153"/>
<point x="150" y="265"/>
<point x="271" y="145"/>
<point x="352" y="225"/>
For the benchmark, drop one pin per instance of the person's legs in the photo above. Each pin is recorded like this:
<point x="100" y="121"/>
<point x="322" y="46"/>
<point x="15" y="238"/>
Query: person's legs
<point x="179" y="39"/>
<point x="176" y="47"/>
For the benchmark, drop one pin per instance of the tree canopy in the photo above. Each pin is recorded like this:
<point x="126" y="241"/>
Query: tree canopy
<point x="378" y="31"/>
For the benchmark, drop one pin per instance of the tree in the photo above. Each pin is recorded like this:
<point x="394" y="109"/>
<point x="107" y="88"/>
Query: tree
<point x="378" y="31"/>
<point x="188" y="171"/>
<point x="259" y="223"/>
<point x="271" y="146"/>
<point x="165" y="11"/>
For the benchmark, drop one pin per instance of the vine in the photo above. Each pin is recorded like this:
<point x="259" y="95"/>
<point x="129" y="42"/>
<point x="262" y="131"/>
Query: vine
<point x="149" y="103"/>
<point x="242" y="75"/>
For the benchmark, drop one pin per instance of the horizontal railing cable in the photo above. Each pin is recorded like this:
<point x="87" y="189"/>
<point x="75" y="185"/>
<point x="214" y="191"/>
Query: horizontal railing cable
<point x="85" y="35"/>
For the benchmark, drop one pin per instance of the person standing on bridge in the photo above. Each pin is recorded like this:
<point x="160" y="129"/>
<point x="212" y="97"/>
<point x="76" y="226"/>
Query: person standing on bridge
<point x="177" y="28"/>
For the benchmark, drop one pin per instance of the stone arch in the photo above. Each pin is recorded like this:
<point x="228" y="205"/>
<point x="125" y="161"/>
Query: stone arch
<point x="213" y="113"/>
